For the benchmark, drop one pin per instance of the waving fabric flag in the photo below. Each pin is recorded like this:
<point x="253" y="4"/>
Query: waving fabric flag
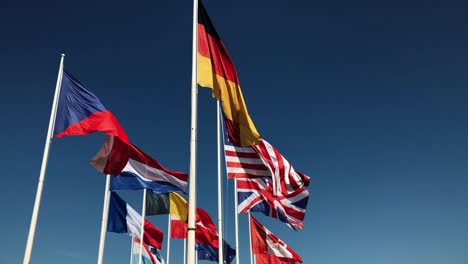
<point x="80" y="112"/>
<point x="268" y="248"/>
<point x="256" y="195"/>
<point x="124" y="219"/>
<point x="262" y="160"/>
<point x="216" y="71"/>
<point x="150" y="255"/>
<point x="157" y="204"/>
<point x="281" y="170"/>
<point x="129" y="180"/>
<point x="137" y="168"/>
<point x="206" y="237"/>
<point x="243" y="162"/>
<point x="205" y="229"/>
<point x="208" y="252"/>
<point x="178" y="209"/>
<point x="171" y="203"/>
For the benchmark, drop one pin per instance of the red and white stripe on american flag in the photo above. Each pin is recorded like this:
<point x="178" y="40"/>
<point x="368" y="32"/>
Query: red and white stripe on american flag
<point x="263" y="160"/>
<point x="243" y="162"/>
<point x="281" y="171"/>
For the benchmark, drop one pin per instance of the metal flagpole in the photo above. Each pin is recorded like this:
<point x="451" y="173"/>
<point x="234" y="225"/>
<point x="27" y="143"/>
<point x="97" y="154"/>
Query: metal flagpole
<point x="142" y="233"/>
<point x="193" y="143"/>
<point x="168" y="237"/>
<point x="220" y="189"/>
<point x="131" y="251"/>
<point x="185" y="250"/>
<point x="250" y="241"/>
<point x="236" y="222"/>
<point x="105" y="214"/>
<point x="45" y="156"/>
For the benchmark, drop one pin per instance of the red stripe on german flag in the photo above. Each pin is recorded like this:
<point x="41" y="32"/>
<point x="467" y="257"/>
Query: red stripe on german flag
<point x="216" y="71"/>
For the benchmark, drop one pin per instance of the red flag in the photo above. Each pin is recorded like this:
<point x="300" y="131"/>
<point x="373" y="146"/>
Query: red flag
<point x="268" y="248"/>
<point x="152" y="235"/>
<point x="205" y="232"/>
<point x="178" y="228"/>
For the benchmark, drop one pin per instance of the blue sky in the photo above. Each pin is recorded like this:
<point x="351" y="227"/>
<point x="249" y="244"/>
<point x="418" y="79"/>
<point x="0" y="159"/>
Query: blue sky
<point x="368" y="98"/>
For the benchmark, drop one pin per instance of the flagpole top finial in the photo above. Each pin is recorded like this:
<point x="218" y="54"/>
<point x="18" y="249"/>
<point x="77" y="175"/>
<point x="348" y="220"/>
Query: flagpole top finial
<point x="63" y="54"/>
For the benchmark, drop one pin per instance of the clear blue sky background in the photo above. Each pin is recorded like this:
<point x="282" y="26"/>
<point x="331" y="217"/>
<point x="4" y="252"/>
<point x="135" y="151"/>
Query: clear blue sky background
<point x="369" y="98"/>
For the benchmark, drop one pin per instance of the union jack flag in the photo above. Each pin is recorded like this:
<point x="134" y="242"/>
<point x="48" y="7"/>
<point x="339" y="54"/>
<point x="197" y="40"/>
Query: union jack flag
<point x="262" y="160"/>
<point x="256" y="195"/>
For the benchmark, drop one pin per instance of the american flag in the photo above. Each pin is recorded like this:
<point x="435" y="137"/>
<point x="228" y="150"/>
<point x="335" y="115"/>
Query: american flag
<point x="243" y="162"/>
<point x="281" y="171"/>
<point x="256" y="195"/>
<point x="263" y="160"/>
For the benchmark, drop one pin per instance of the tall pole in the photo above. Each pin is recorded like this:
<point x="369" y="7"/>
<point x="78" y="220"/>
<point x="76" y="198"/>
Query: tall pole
<point x="250" y="241"/>
<point x="105" y="214"/>
<point x="168" y="237"/>
<point x="185" y="250"/>
<point x="142" y="233"/>
<point x="131" y="250"/>
<point x="236" y="222"/>
<point x="193" y="143"/>
<point x="220" y="189"/>
<point x="45" y="157"/>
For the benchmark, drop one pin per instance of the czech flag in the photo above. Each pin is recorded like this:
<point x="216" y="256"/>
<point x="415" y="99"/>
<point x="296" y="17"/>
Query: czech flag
<point x="80" y="112"/>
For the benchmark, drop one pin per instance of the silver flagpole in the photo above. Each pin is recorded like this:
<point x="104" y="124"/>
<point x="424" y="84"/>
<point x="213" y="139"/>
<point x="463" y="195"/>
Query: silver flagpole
<point x="185" y="250"/>
<point x="168" y="238"/>
<point x="45" y="156"/>
<point x="142" y="233"/>
<point x="220" y="189"/>
<point x="193" y="143"/>
<point x="250" y="241"/>
<point x="236" y="222"/>
<point x="105" y="215"/>
<point x="131" y="250"/>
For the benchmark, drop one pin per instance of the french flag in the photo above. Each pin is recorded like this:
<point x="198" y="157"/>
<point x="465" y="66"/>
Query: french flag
<point x="124" y="219"/>
<point x="80" y="112"/>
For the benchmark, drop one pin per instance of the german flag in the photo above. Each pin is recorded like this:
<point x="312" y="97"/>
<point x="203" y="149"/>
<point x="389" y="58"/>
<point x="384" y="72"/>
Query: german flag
<point x="216" y="71"/>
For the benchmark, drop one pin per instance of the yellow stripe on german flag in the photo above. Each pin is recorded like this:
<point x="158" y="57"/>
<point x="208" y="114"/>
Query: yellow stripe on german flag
<point x="216" y="71"/>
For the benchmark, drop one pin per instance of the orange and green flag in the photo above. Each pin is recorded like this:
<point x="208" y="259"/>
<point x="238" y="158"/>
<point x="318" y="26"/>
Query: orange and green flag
<point x="216" y="71"/>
